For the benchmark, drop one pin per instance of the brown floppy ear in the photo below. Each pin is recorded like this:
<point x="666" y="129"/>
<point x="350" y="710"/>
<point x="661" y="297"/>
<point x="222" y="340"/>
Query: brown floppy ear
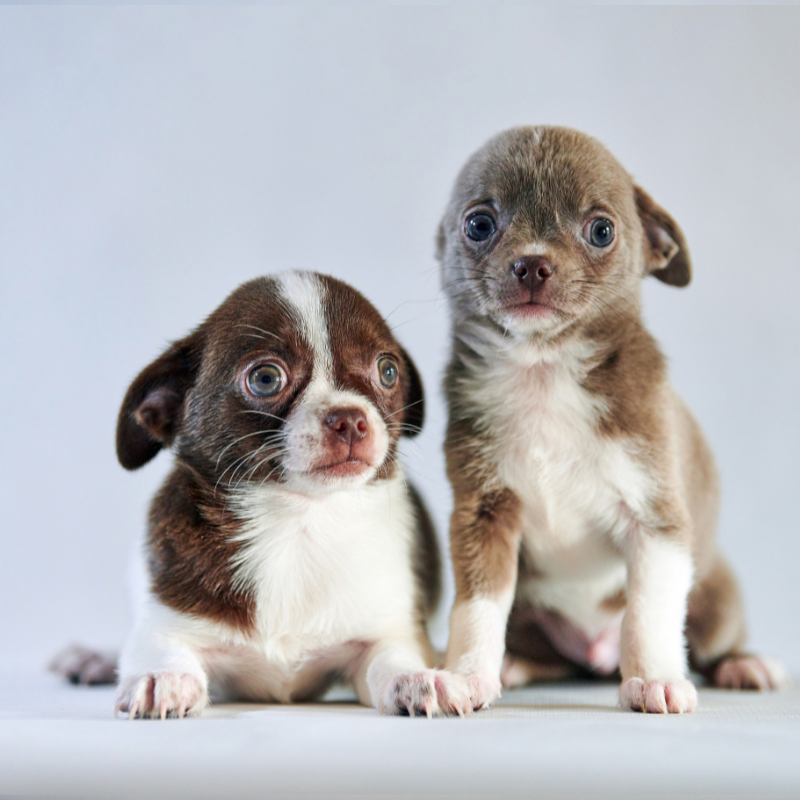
<point x="154" y="402"/>
<point x="666" y="253"/>
<point x="414" y="414"/>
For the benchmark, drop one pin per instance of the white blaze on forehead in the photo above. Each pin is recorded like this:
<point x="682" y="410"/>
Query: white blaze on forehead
<point x="304" y="295"/>
<point x="534" y="249"/>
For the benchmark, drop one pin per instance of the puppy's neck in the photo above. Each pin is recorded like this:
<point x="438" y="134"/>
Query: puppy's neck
<point x="480" y="340"/>
<point x="579" y="351"/>
<point x="289" y="498"/>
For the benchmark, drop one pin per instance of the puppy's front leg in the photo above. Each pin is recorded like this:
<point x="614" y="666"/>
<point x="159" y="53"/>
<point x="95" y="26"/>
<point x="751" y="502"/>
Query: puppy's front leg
<point x="484" y="541"/>
<point x="159" y="676"/>
<point x="653" y="657"/>
<point x="394" y="677"/>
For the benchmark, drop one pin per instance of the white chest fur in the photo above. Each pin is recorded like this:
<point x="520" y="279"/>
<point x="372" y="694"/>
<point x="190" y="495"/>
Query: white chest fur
<point x="578" y="487"/>
<point x="326" y="569"/>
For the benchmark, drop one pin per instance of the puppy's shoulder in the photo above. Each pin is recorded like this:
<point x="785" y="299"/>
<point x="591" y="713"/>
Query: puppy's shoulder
<point x="190" y="551"/>
<point x="629" y="375"/>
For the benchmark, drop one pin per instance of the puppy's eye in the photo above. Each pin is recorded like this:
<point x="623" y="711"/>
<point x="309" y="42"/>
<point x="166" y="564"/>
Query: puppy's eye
<point x="266" y="380"/>
<point x="480" y="227"/>
<point x="387" y="372"/>
<point x="599" y="232"/>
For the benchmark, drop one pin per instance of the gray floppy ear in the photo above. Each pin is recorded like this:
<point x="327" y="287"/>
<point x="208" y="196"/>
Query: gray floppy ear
<point x="154" y="402"/>
<point x="441" y="242"/>
<point x="666" y="253"/>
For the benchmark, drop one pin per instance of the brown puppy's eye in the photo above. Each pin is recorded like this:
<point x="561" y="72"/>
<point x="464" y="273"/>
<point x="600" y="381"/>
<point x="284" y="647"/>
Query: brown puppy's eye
<point x="387" y="372"/>
<point x="599" y="232"/>
<point x="266" y="380"/>
<point x="480" y="226"/>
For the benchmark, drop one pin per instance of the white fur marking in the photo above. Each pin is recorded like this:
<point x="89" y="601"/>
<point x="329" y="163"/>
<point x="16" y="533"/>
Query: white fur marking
<point x="326" y="569"/>
<point x="534" y="249"/>
<point x="659" y="579"/>
<point x="305" y="296"/>
<point x="579" y="490"/>
<point x="477" y="644"/>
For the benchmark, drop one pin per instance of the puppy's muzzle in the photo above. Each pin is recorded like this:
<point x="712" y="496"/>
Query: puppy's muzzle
<point x="533" y="272"/>
<point x="349" y="442"/>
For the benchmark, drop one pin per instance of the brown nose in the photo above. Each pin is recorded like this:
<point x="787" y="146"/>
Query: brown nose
<point x="532" y="271"/>
<point x="350" y="424"/>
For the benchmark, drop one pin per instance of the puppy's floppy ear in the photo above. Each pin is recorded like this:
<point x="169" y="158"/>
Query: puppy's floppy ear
<point x="666" y="253"/>
<point x="414" y="415"/>
<point x="154" y="402"/>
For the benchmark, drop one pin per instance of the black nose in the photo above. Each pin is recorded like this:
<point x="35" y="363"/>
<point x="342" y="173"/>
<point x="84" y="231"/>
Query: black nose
<point x="532" y="271"/>
<point x="349" y="423"/>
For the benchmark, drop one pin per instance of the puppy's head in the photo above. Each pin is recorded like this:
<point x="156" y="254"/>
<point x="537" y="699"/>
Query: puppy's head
<point x="545" y="229"/>
<point x="294" y="379"/>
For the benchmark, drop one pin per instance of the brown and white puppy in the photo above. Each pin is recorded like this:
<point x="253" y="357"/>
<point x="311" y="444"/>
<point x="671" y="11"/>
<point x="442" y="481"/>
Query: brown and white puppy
<point x="585" y="495"/>
<point x="285" y="550"/>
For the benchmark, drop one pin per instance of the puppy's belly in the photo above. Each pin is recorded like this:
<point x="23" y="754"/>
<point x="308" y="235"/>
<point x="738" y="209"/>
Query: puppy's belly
<point x="247" y="673"/>
<point x="575" y="595"/>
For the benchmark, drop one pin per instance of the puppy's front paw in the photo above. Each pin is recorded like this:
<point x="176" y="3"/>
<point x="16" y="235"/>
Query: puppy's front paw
<point x="658" y="697"/>
<point x="430" y="692"/>
<point x="484" y="689"/>
<point x="751" y="672"/>
<point x="161" y="694"/>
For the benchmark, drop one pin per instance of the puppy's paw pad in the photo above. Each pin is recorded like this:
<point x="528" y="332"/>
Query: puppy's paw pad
<point x="161" y="694"/>
<point x="658" y="697"/>
<point x="484" y="689"/>
<point x="751" y="672"/>
<point x="426" y="693"/>
<point x="80" y="665"/>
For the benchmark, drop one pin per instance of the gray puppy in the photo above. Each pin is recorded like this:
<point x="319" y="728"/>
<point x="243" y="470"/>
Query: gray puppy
<point x="586" y="497"/>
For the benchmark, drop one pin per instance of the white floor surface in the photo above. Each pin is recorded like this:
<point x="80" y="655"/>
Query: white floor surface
<point x="564" y="740"/>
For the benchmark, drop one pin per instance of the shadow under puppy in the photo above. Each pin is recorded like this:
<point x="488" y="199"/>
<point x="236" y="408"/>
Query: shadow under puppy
<point x="285" y="550"/>
<point x="585" y="494"/>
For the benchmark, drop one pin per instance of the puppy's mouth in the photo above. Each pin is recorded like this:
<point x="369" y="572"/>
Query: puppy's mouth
<point x="531" y="308"/>
<point x="346" y="468"/>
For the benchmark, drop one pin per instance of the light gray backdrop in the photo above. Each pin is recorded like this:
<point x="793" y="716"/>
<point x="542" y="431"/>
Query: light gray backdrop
<point x="152" y="159"/>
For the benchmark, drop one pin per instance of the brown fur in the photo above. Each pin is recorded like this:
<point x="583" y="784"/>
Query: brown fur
<point x="427" y="562"/>
<point x="484" y="541"/>
<point x="715" y="625"/>
<point x="190" y="549"/>
<point x="525" y="639"/>
<point x="616" y="601"/>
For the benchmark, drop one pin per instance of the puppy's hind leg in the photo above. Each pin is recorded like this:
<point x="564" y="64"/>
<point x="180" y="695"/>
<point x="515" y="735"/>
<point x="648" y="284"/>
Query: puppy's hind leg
<point x="716" y="633"/>
<point x="530" y="657"/>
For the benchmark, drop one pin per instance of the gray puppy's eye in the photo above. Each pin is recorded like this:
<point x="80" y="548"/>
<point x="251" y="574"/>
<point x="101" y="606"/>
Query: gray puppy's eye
<point x="266" y="380"/>
<point x="599" y="232"/>
<point x="480" y="226"/>
<point x="387" y="372"/>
